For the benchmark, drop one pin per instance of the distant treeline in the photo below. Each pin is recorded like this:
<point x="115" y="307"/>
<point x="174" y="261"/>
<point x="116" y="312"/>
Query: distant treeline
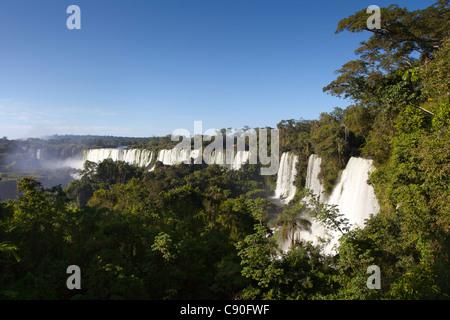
<point x="73" y="142"/>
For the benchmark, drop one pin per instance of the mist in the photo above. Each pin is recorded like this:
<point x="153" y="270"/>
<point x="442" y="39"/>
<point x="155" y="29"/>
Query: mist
<point x="19" y="158"/>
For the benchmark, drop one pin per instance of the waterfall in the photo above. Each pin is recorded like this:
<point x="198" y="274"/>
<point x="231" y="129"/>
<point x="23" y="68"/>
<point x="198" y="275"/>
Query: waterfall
<point x="312" y="176"/>
<point x="39" y="154"/>
<point x="240" y="159"/>
<point x="142" y="158"/>
<point x="172" y="157"/>
<point x="285" y="189"/>
<point x="354" y="198"/>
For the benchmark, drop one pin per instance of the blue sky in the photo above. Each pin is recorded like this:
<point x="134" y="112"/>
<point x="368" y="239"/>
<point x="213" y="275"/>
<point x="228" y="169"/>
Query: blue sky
<point x="145" y="68"/>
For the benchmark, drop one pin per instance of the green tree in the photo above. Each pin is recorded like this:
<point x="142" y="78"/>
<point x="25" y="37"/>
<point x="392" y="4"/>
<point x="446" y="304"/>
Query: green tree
<point x="292" y="220"/>
<point x="329" y="140"/>
<point x="258" y="253"/>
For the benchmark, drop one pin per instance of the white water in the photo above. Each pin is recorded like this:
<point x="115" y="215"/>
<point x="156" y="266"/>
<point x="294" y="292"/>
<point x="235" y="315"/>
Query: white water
<point x="142" y="158"/>
<point x="172" y="156"/>
<point x="145" y="158"/>
<point x="354" y="198"/>
<point x="240" y="159"/>
<point x="285" y="190"/>
<point x="312" y="176"/>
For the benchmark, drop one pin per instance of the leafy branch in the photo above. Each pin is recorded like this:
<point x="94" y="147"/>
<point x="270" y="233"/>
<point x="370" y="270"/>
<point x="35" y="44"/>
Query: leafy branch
<point x="327" y="215"/>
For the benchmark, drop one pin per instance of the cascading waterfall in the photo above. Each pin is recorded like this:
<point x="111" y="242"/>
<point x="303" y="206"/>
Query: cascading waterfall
<point x="240" y="159"/>
<point x="354" y="198"/>
<point x="39" y="154"/>
<point x="172" y="156"/>
<point x="312" y="176"/>
<point x="145" y="158"/>
<point x="142" y="158"/>
<point x="313" y="184"/>
<point x="285" y="189"/>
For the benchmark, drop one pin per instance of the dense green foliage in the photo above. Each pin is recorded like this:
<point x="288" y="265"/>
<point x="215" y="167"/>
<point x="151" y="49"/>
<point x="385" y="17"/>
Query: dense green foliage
<point x="169" y="233"/>
<point x="202" y="232"/>
<point x="400" y="118"/>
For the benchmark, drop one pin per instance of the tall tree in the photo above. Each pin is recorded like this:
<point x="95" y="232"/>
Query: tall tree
<point x="291" y="220"/>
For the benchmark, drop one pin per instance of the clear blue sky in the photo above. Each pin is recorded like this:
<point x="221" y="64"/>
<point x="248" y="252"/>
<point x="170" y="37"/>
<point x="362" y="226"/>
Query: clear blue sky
<point x="144" y="68"/>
